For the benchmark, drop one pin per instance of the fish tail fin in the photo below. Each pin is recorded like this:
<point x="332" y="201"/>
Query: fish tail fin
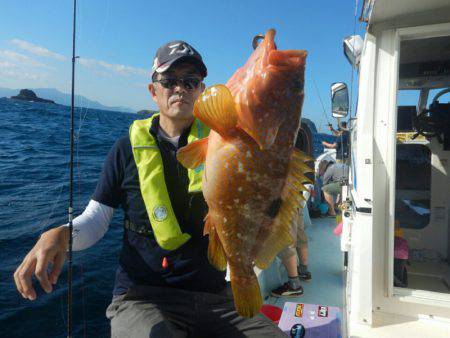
<point x="291" y="196"/>
<point x="216" y="253"/>
<point x="194" y="154"/>
<point x="246" y="292"/>
<point x="216" y="109"/>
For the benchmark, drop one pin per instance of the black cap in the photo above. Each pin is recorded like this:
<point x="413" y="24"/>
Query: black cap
<point x="176" y="51"/>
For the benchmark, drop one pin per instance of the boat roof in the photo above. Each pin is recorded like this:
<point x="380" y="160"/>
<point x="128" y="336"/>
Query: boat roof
<point x="378" y="11"/>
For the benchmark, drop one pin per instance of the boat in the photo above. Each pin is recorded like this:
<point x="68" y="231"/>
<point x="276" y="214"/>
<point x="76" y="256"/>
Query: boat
<point x="395" y="278"/>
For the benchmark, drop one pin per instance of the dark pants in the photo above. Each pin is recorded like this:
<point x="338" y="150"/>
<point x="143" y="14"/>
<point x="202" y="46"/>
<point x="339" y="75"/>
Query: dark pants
<point x="165" y="312"/>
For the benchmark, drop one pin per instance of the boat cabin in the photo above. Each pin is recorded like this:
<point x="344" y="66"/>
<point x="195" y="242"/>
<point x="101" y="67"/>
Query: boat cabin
<point x="397" y="226"/>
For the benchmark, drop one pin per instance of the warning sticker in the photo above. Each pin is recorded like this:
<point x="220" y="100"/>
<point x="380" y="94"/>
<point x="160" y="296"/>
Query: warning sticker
<point x="322" y="311"/>
<point x="299" y="310"/>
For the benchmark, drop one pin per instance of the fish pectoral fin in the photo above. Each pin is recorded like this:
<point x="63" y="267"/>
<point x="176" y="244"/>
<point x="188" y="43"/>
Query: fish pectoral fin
<point x="216" y="254"/>
<point x="280" y="235"/>
<point x="246" y="292"/>
<point x="207" y="224"/>
<point x="194" y="154"/>
<point x="216" y="108"/>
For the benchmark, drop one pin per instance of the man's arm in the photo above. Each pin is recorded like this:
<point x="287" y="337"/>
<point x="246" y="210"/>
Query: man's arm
<point x="337" y="133"/>
<point x="53" y="244"/>
<point x="334" y="131"/>
<point x="329" y="145"/>
<point x="91" y="225"/>
<point x="50" y="248"/>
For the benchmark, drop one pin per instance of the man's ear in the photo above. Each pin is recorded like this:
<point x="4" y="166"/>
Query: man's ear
<point x="151" y="89"/>
<point x="202" y="86"/>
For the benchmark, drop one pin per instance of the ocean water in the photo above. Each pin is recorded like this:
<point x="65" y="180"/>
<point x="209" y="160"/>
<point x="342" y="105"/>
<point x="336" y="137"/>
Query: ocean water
<point x="34" y="189"/>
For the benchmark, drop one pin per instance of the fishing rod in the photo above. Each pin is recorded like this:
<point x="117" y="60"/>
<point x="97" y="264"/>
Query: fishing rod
<point x="320" y="99"/>
<point x="69" y="271"/>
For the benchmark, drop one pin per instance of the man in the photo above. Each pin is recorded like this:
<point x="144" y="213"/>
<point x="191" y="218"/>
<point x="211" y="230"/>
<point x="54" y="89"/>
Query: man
<point x="165" y="285"/>
<point x="334" y="174"/>
<point x="342" y="144"/>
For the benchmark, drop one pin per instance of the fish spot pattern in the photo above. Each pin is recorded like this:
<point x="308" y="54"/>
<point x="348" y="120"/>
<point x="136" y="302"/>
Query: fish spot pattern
<point x="240" y="167"/>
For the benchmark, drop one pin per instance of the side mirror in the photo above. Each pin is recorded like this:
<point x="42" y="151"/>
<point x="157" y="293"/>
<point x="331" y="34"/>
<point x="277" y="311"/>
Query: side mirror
<point x="339" y="100"/>
<point x="353" y="46"/>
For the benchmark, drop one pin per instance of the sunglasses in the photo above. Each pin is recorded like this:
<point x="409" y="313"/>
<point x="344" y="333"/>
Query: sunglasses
<point x="188" y="82"/>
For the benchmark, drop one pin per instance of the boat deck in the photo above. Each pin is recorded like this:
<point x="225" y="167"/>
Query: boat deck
<point x="326" y="266"/>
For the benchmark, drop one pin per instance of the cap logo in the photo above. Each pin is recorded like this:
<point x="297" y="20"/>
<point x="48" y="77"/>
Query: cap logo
<point x="155" y="63"/>
<point x="180" y="48"/>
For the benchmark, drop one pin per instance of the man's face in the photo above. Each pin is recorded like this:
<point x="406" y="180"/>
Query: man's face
<point x="177" y="100"/>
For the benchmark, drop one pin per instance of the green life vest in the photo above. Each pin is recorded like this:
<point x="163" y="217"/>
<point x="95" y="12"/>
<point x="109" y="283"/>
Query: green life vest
<point x="154" y="192"/>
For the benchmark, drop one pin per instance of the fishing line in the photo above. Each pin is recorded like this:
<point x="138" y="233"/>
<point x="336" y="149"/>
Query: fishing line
<point x="320" y="98"/>
<point x="76" y="138"/>
<point x="348" y="126"/>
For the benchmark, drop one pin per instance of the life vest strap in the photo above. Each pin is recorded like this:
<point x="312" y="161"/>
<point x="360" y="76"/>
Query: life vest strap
<point x="140" y="229"/>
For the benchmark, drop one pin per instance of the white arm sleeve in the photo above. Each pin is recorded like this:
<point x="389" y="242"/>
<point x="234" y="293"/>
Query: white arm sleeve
<point x="91" y="225"/>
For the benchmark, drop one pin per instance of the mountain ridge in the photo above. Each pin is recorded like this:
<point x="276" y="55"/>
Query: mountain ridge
<point x="65" y="99"/>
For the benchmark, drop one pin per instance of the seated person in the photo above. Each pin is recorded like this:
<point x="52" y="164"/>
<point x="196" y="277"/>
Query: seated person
<point x="333" y="174"/>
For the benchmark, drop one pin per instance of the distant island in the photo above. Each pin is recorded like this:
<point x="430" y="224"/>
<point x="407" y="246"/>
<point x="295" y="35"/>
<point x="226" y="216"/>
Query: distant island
<point x="65" y="99"/>
<point x="29" y="95"/>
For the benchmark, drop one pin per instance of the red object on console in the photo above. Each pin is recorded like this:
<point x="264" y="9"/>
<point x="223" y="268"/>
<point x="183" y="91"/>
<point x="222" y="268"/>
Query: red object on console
<point x="272" y="312"/>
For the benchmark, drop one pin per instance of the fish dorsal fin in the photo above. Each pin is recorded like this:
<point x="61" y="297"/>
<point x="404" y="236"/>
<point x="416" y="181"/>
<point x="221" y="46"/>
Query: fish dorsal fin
<point x="194" y="154"/>
<point x="291" y="196"/>
<point x="216" y="108"/>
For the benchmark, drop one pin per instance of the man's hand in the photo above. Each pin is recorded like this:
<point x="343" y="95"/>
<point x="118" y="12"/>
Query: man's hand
<point x="50" y="248"/>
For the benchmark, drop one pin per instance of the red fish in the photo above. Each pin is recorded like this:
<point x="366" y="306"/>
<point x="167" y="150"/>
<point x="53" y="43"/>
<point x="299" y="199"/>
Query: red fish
<point x="253" y="174"/>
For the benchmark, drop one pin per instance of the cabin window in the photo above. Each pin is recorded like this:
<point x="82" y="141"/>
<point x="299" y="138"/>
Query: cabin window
<point x="422" y="185"/>
<point x="413" y="183"/>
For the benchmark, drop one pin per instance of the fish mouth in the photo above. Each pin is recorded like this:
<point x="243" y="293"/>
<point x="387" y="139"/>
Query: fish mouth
<point x="273" y="89"/>
<point x="287" y="59"/>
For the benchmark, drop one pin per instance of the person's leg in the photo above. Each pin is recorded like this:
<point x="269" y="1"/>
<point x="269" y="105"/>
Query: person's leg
<point x="302" y="249"/>
<point x="335" y="190"/>
<point x="291" y="265"/>
<point x="151" y="312"/>
<point x="219" y="319"/>
<point x="329" y="199"/>
<point x="292" y="287"/>
<point x="288" y="257"/>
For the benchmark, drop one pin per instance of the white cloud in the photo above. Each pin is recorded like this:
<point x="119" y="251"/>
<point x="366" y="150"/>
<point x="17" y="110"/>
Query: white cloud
<point x="7" y="69"/>
<point x="20" y="59"/>
<point x="18" y="66"/>
<point x="37" y="50"/>
<point x="115" y="68"/>
<point x="11" y="70"/>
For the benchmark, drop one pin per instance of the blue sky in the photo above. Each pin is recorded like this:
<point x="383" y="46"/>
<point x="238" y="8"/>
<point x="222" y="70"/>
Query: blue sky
<point x="117" y="40"/>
